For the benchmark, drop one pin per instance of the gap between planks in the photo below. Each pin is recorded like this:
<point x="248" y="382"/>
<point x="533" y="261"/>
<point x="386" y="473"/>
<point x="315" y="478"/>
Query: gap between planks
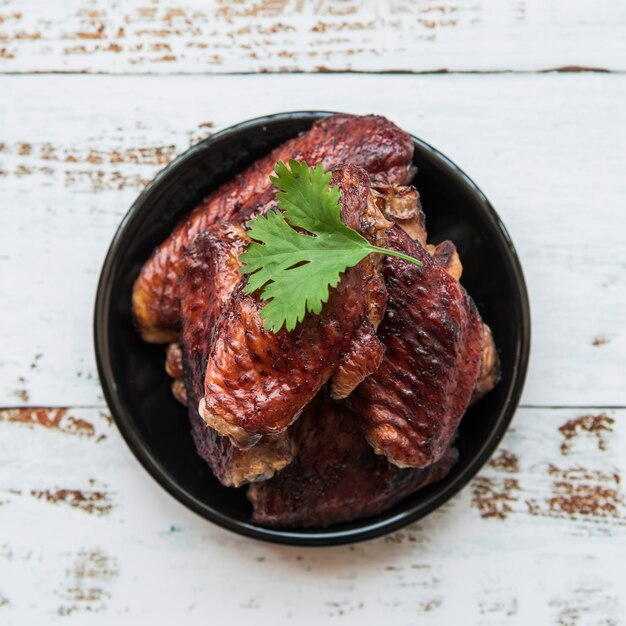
<point x="568" y="69"/>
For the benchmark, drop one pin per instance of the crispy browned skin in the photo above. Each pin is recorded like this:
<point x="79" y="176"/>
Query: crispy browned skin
<point x="174" y="360"/>
<point x="258" y="382"/>
<point x="446" y="255"/>
<point x="371" y="142"/>
<point x="174" y="368"/>
<point x="489" y="368"/>
<point x="433" y="337"/>
<point x="335" y="476"/>
<point x="179" y="391"/>
<point x="210" y="270"/>
<point x="402" y="204"/>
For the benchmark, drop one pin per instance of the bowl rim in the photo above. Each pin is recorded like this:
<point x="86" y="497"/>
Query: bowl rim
<point x="326" y="537"/>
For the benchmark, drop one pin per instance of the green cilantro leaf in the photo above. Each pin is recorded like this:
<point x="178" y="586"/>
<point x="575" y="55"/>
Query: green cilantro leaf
<point x="295" y="270"/>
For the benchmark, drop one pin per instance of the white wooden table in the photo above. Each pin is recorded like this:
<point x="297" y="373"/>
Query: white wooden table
<point x="527" y="96"/>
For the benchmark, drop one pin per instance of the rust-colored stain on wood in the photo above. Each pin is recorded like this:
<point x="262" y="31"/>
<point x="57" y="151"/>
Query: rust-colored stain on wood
<point x="596" y="425"/>
<point x="334" y="609"/>
<point x="579" y="492"/>
<point x="575" y="69"/>
<point x="100" y="180"/>
<point x="430" y="606"/>
<point x="97" y="35"/>
<point x="237" y="8"/>
<point x="98" y="169"/>
<point x="600" y="341"/>
<point x="222" y="32"/>
<point x="22" y="394"/>
<point x="494" y="604"/>
<point x="505" y="461"/>
<point x="54" y="419"/>
<point x="582" y="491"/>
<point x="587" y="604"/>
<point x="97" y="502"/>
<point x="582" y="473"/>
<point x="494" y="498"/>
<point x="86" y="583"/>
<point x="585" y="499"/>
<point x="145" y="155"/>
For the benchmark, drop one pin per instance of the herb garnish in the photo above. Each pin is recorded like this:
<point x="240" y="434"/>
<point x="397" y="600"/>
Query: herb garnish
<point x="294" y="269"/>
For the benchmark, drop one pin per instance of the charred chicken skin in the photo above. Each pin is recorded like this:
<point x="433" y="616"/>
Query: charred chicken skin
<point x="335" y="476"/>
<point x="257" y="382"/>
<point x="433" y="335"/>
<point x="371" y="142"/>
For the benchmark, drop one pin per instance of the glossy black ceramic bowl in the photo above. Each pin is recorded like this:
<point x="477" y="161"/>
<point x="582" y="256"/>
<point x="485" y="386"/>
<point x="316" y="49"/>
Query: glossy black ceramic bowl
<point x="137" y="388"/>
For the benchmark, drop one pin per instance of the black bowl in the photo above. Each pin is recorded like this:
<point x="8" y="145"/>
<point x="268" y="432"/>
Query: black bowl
<point x="137" y="388"/>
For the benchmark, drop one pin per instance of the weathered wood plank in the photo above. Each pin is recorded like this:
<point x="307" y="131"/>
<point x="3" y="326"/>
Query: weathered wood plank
<point x="196" y="36"/>
<point x="548" y="150"/>
<point x="538" y="537"/>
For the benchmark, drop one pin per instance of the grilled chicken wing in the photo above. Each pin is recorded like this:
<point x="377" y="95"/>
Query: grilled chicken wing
<point x="335" y="476"/>
<point x="371" y="142"/>
<point x="402" y="204"/>
<point x="433" y="337"/>
<point x="209" y="272"/>
<point x="257" y="382"/>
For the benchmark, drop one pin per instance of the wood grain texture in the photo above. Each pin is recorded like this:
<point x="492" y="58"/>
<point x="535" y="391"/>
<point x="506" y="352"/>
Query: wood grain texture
<point x="224" y="36"/>
<point x="86" y="536"/>
<point x="548" y="150"/>
<point x="539" y="537"/>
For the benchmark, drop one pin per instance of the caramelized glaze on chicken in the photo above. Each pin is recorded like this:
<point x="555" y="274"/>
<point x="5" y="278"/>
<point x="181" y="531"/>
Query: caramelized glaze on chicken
<point x="257" y="382"/>
<point x="357" y="407"/>
<point x="210" y="270"/>
<point x="433" y="336"/>
<point x="335" y="476"/>
<point x="371" y="142"/>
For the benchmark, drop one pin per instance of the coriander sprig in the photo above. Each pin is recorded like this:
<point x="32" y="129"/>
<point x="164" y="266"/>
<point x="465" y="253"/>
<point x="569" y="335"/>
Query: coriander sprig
<point x="295" y="270"/>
